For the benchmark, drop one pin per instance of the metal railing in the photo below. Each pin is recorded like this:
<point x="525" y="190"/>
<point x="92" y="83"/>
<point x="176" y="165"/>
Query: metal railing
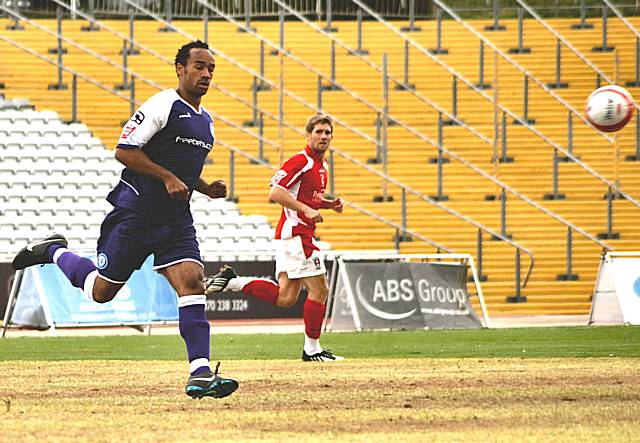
<point x="487" y="97"/>
<point x="74" y="73"/>
<point x="243" y="8"/>
<point x="232" y="149"/>
<point x="217" y="116"/>
<point x="558" y="8"/>
<point x="385" y="116"/>
<point x="609" y="183"/>
<point x="315" y="9"/>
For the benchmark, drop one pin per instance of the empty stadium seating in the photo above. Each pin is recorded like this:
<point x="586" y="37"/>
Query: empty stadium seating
<point x="54" y="177"/>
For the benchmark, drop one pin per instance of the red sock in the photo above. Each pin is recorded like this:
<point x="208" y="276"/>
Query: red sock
<point x="265" y="290"/>
<point x="313" y="314"/>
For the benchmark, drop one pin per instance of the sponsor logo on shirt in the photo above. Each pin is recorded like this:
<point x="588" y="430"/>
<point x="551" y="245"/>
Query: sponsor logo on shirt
<point x="194" y="142"/>
<point x="278" y="176"/>
<point x="127" y="131"/>
<point x="187" y="115"/>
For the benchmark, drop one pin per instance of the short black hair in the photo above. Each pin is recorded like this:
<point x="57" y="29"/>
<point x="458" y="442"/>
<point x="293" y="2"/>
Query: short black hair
<point x="183" y="53"/>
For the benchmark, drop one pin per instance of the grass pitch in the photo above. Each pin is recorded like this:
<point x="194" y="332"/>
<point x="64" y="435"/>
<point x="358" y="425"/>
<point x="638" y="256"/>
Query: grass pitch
<point x="570" y="384"/>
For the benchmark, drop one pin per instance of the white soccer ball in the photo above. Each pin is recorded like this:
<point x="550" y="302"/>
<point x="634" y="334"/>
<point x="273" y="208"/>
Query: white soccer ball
<point x="609" y="108"/>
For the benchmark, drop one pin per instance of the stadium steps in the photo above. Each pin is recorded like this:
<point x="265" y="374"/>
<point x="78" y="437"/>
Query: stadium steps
<point x="530" y="174"/>
<point x="62" y="188"/>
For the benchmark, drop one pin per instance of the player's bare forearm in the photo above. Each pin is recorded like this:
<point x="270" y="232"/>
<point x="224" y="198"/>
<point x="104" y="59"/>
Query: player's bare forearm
<point x="283" y="198"/>
<point x="140" y="162"/>
<point x="337" y="204"/>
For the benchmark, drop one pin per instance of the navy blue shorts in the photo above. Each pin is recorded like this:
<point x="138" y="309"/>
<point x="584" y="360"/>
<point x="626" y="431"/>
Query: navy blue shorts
<point x="127" y="239"/>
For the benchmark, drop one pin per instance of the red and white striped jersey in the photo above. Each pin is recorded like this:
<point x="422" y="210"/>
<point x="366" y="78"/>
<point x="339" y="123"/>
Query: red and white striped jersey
<point x="304" y="177"/>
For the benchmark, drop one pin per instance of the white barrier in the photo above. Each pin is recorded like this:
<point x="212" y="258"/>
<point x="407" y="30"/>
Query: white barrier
<point x="403" y="291"/>
<point x="616" y="296"/>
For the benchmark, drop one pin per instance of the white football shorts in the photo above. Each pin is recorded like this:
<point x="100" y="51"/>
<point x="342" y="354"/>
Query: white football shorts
<point x="290" y="258"/>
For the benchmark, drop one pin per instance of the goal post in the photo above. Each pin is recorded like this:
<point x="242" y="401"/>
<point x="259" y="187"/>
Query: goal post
<point x="404" y="291"/>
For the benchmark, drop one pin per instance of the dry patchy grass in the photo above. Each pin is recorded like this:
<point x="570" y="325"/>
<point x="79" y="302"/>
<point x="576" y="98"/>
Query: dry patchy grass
<point x="400" y="400"/>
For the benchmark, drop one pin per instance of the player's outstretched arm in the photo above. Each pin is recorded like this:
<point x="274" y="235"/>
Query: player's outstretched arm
<point x="215" y="189"/>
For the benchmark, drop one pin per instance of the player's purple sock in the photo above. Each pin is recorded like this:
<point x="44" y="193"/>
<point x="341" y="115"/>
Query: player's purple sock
<point x="76" y="268"/>
<point x="53" y="248"/>
<point x="194" y="329"/>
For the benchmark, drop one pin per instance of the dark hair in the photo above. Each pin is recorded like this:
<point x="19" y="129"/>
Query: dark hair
<point x="318" y="118"/>
<point x="183" y="53"/>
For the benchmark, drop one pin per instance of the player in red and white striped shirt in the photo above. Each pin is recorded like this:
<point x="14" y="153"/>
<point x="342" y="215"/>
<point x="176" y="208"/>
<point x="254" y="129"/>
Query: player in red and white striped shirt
<point x="298" y="186"/>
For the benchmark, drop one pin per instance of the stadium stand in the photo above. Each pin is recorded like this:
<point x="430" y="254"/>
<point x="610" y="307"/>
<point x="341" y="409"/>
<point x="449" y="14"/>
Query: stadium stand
<point x="55" y="177"/>
<point x="531" y="172"/>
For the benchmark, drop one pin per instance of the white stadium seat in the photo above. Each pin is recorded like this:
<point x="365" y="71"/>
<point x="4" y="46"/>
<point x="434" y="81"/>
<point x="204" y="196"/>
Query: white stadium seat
<point x="54" y="177"/>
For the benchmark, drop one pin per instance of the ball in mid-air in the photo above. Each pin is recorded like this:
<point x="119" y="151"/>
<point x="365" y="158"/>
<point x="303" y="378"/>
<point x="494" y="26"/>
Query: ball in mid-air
<point x="609" y="108"/>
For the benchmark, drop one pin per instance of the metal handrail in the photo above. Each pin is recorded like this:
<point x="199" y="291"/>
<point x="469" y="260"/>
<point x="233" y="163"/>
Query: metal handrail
<point x="515" y="192"/>
<point x="572" y="48"/>
<point x="612" y="184"/>
<point x="379" y="69"/>
<point x="230" y="147"/>
<point x="629" y="26"/>
<point x="156" y="54"/>
<point x="400" y="123"/>
<point x="463" y="79"/>
<point x="592" y="171"/>
<point x="395" y="9"/>
<point x="66" y="69"/>
<point x="524" y="71"/>
<point x="76" y="45"/>
<point x="464" y="125"/>
<point x="304" y="64"/>
<point x="437" y="204"/>
<point x="346" y="202"/>
<point x="513" y="115"/>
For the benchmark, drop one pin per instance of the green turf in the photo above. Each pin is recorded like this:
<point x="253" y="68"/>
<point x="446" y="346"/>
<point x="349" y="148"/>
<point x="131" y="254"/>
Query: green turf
<point x="618" y="341"/>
